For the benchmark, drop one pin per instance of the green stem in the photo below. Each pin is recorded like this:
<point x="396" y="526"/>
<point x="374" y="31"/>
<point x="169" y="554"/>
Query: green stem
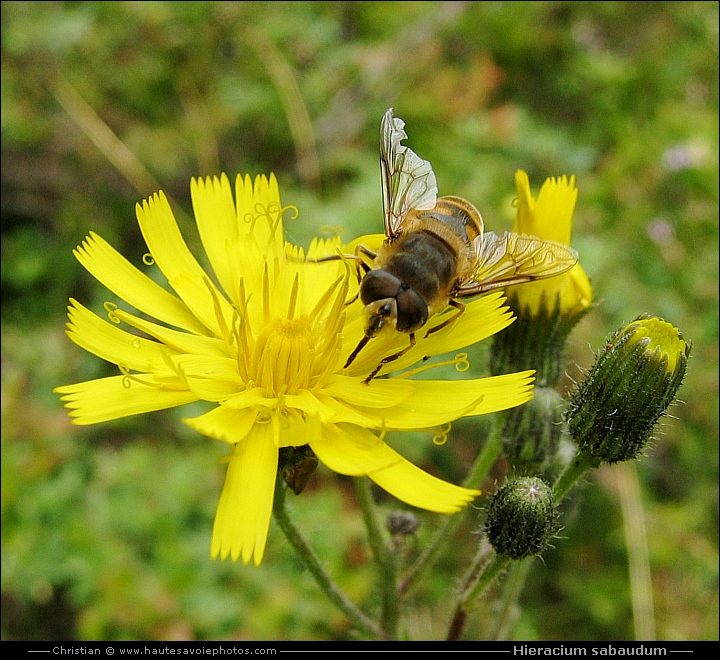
<point x="481" y="575"/>
<point x="490" y="572"/>
<point x="480" y="469"/>
<point x="512" y="588"/>
<point x="487" y="457"/>
<point x="311" y="562"/>
<point x="385" y="558"/>
<point x="574" y="470"/>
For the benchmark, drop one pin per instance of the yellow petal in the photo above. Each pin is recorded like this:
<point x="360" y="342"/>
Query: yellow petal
<point x="243" y="515"/>
<point x="209" y="367"/>
<point x="210" y="377"/>
<point x="223" y="423"/>
<point x="416" y="487"/>
<point x="577" y="293"/>
<point x="294" y="429"/>
<point x="431" y="407"/>
<point x="342" y="412"/>
<point x="212" y="389"/>
<point x="382" y="394"/>
<point x="550" y="215"/>
<point x="330" y="410"/>
<point x="116" y="273"/>
<point x="525" y="215"/>
<point x="182" y="342"/>
<point x="436" y="402"/>
<point x="216" y="219"/>
<point x="503" y="392"/>
<point x="244" y="200"/>
<point x="179" y="266"/>
<point x="101" y="400"/>
<point x="554" y="209"/>
<point x="351" y="450"/>
<point x="258" y="204"/>
<point x="255" y="396"/>
<point x="110" y="343"/>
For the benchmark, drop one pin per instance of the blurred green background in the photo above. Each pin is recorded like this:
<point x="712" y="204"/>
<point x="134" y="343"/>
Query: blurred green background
<point x="106" y="530"/>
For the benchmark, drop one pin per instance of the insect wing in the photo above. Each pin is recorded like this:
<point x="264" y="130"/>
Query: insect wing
<point x="515" y="259"/>
<point x="408" y="181"/>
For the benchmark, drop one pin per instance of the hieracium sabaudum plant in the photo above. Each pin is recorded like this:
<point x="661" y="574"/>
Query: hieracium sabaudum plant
<point x="307" y="357"/>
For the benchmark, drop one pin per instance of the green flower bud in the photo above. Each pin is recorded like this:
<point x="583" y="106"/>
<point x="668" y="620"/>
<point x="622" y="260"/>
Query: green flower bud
<point x="532" y="432"/>
<point x="402" y="523"/>
<point x="521" y="518"/>
<point x="611" y="414"/>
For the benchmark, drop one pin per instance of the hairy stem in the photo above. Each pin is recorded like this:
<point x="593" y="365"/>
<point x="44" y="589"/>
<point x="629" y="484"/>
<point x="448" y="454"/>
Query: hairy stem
<point x="385" y="558"/>
<point x="359" y="620"/>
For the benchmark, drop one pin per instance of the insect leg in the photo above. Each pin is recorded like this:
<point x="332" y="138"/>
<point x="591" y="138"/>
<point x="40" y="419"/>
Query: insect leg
<point x="360" y="264"/>
<point x="390" y="358"/>
<point x="368" y="253"/>
<point x="342" y="257"/>
<point x="453" y="303"/>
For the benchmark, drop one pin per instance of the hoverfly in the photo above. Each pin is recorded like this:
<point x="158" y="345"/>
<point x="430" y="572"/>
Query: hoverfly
<point x="436" y="250"/>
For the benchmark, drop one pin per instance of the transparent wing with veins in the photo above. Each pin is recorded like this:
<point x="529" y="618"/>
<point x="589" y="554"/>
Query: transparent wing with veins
<point x="408" y="181"/>
<point x="514" y="259"/>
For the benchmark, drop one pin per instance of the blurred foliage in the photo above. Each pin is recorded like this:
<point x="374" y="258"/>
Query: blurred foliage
<point x="105" y="530"/>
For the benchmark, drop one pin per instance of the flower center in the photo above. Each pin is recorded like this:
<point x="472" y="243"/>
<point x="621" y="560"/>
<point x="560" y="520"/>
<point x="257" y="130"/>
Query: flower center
<point x="283" y="355"/>
<point x="291" y="352"/>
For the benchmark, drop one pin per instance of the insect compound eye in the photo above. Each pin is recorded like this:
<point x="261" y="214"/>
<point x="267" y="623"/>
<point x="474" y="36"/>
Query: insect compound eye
<point x="412" y="311"/>
<point x="378" y="285"/>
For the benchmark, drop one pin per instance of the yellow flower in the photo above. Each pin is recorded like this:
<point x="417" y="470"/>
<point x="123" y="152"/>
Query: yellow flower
<point x="265" y="341"/>
<point x="550" y="217"/>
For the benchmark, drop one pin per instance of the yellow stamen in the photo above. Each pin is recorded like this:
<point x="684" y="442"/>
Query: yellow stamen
<point x="460" y="361"/>
<point x="129" y="379"/>
<point x="442" y="434"/>
<point x="293" y="297"/>
<point x="325" y="297"/>
<point x="283" y="355"/>
<point x="244" y="336"/>
<point x="111" y="308"/>
<point x="224" y="331"/>
<point x="266" y="295"/>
